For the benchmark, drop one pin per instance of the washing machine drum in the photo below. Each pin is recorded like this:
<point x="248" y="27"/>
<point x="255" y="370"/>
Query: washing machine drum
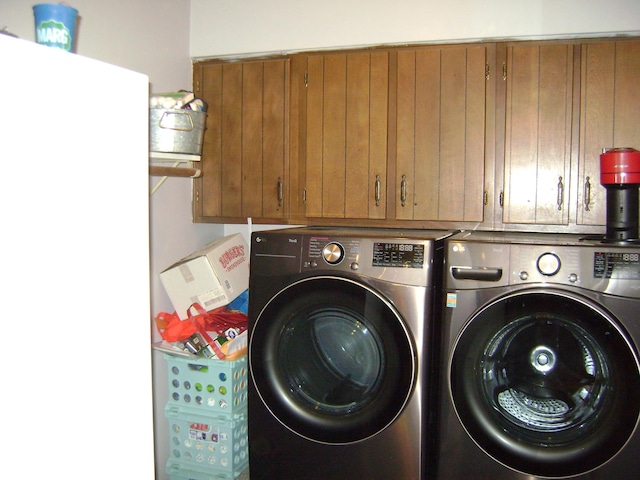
<point x="546" y="383"/>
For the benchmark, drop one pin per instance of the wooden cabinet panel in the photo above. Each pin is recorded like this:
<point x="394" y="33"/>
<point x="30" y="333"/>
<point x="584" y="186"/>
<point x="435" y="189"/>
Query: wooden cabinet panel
<point x="610" y="102"/>
<point x="207" y="201"/>
<point x="346" y="135"/>
<point x="418" y="104"/>
<point x="275" y="137"/>
<point x="232" y="140"/>
<point x="244" y="153"/>
<point x="539" y="109"/>
<point x="440" y="150"/>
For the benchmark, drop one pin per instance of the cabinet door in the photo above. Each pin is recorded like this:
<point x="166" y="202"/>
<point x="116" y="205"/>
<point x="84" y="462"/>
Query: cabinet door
<point x="538" y="133"/>
<point x="440" y="133"/>
<point x="346" y="135"/>
<point x="244" y="153"/>
<point x="610" y="102"/>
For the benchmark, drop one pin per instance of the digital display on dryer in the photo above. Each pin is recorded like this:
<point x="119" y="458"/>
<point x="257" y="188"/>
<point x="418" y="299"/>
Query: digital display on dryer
<point x="616" y="265"/>
<point x="404" y="255"/>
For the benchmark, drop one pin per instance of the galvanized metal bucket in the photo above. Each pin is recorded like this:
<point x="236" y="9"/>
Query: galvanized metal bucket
<point x="176" y="131"/>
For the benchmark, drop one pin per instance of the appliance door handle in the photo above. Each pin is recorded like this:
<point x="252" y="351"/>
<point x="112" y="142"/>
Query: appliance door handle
<point x="483" y="274"/>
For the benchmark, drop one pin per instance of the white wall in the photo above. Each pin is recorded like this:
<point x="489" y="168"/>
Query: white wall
<point x="232" y="27"/>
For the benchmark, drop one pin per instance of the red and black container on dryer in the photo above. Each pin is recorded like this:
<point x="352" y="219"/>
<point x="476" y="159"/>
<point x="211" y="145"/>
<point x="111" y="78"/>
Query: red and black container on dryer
<point x="620" y="175"/>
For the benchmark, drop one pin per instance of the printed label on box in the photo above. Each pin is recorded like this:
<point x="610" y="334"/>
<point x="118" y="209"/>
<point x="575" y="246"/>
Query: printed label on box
<point x="211" y="299"/>
<point x="187" y="275"/>
<point x="232" y="257"/>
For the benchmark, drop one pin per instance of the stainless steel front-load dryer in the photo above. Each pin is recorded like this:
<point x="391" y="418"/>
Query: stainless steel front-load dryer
<point x="340" y="326"/>
<point x="540" y="374"/>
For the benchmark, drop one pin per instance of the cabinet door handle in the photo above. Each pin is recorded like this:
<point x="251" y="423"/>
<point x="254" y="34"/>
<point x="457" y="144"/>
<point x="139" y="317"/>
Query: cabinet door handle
<point x="403" y="190"/>
<point x="560" y="193"/>
<point x="280" y="191"/>
<point x="378" y="188"/>
<point x="587" y="194"/>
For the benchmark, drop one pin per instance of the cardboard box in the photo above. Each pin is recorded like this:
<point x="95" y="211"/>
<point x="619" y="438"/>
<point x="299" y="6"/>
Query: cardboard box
<point x="212" y="276"/>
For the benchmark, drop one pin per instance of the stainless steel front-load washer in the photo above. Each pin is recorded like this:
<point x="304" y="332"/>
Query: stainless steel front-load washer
<point x="540" y="373"/>
<point x="340" y="326"/>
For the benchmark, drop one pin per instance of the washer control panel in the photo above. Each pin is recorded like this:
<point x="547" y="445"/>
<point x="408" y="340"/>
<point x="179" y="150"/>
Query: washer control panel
<point x="489" y="259"/>
<point x="536" y="263"/>
<point x="617" y="265"/>
<point x="591" y="267"/>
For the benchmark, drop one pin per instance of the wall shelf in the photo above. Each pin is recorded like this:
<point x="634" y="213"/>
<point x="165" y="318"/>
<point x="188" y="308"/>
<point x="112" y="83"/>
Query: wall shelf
<point x="173" y="157"/>
<point x="161" y="171"/>
<point x="174" y="170"/>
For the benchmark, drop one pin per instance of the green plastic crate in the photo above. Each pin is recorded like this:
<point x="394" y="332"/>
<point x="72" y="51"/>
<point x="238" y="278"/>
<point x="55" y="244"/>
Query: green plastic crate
<point x="177" y="471"/>
<point x="213" y="445"/>
<point x="210" y="385"/>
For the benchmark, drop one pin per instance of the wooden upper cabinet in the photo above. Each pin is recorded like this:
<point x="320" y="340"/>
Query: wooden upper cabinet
<point x="440" y="133"/>
<point x="537" y="152"/>
<point x="346" y="135"/>
<point x="610" y="102"/>
<point x="244" y="155"/>
<point x="429" y="135"/>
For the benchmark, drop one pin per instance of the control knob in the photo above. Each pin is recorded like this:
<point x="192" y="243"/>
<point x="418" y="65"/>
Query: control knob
<point x="548" y="264"/>
<point x="333" y="253"/>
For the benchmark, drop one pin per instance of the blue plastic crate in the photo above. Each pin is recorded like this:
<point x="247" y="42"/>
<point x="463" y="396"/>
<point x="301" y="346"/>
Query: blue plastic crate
<point x="177" y="471"/>
<point x="210" y="385"/>
<point x="209" y="444"/>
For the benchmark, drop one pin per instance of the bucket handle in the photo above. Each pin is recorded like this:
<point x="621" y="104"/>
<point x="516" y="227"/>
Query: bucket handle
<point x="177" y="112"/>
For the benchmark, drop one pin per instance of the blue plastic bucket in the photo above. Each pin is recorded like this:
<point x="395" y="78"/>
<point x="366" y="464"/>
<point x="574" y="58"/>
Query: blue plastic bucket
<point x="56" y="25"/>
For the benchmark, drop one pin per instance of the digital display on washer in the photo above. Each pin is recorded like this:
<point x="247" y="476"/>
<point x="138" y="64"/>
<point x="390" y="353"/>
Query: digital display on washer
<point x="616" y="265"/>
<point x="406" y="255"/>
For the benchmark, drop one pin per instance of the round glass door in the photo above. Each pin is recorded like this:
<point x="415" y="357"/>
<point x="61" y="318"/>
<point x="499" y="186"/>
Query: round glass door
<point x="332" y="360"/>
<point x="546" y="383"/>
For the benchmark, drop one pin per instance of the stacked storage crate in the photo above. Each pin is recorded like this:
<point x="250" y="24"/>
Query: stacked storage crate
<point x="207" y="415"/>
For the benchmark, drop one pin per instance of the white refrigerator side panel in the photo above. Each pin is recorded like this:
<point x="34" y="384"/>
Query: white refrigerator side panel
<point x="74" y="257"/>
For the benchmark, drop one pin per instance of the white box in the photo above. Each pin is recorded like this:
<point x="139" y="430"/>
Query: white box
<point x="212" y="276"/>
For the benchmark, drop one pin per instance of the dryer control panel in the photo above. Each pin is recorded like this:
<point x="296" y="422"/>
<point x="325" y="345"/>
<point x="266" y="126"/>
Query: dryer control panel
<point x="398" y="255"/>
<point x="385" y="254"/>
<point x="402" y="260"/>
<point x="406" y="257"/>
